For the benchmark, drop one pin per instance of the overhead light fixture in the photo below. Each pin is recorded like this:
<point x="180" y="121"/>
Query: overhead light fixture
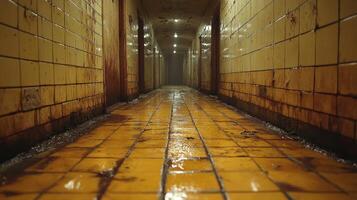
<point x="174" y="51"/>
<point x="175" y="35"/>
<point x="175" y="45"/>
<point x="176" y="20"/>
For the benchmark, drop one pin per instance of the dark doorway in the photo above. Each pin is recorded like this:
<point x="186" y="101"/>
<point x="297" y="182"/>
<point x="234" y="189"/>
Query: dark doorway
<point x="174" y="63"/>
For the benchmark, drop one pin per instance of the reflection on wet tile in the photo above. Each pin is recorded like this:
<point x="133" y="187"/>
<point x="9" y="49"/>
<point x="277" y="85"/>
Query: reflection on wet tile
<point x="30" y="183"/>
<point x="257" y="196"/>
<point x="190" y="165"/>
<point x="191" y="182"/>
<point x="300" y="182"/>
<point x="96" y="165"/>
<point x="247" y="182"/>
<point x="193" y="196"/>
<point x="77" y="183"/>
<point x="186" y="152"/>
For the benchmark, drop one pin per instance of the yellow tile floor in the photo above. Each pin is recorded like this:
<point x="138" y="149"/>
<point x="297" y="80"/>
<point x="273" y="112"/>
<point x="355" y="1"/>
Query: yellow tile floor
<point x="178" y="144"/>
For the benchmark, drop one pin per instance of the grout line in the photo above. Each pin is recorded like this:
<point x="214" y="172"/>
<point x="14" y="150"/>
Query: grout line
<point x="165" y="167"/>
<point x="219" y="180"/>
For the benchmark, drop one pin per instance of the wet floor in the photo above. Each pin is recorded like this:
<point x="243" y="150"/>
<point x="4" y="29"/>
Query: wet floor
<point x="178" y="144"/>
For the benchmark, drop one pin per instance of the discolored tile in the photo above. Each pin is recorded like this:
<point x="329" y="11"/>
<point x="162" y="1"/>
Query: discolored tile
<point x="247" y="182"/>
<point x="263" y="152"/>
<point x="196" y="182"/>
<point x="346" y="181"/>
<point x="252" y="142"/>
<point x="30" y="183"/>
<point x="301" y="182"/>
<point x="228" y="152"/>
<point x="53" y="164"/>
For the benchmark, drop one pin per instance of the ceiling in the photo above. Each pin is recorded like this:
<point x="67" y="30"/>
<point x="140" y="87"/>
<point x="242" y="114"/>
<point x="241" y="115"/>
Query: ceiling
<point x="189" y="15"/>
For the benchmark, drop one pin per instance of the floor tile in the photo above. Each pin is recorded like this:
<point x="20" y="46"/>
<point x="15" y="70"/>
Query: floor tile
<point x="196" y="182"/>
<point x="62" y="196"/>
<point x="77" y="183"/>
<point x="18" y="196"/>
<point x="228" y="152"/>
<point x="141" y="165"/>
<point x="247" y="182"/>
<point x="193" y="196"/>
<point x="319" y="196"/>
<point x="135" y="182"/>
<point x="71" y="152"/>
<point x="301" y="182"/>
<point x="148" y="153"/>
<point x="190" y="165"/>
<point x="263" y="152"/>
<point x="30" y="183"/>
<point x="346" y="181"/>
<point x="53" y="164"/>
<point x="235" y="164"/>
<point x="96" y="165"/>
<point x="110" y="152"/>
<point x="257" y="196"/>
<point x="279" y="164"/>
<point x="146" y="196"/>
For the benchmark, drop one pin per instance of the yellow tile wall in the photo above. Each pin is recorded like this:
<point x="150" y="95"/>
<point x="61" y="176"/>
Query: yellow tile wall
<point x="206" y="58"/>
<point x="302" y="52"/>
<point x="50" y="61"/>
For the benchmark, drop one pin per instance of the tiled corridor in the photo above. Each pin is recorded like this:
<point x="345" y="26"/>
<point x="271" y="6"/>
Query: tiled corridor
<point x="179" y="144"/>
